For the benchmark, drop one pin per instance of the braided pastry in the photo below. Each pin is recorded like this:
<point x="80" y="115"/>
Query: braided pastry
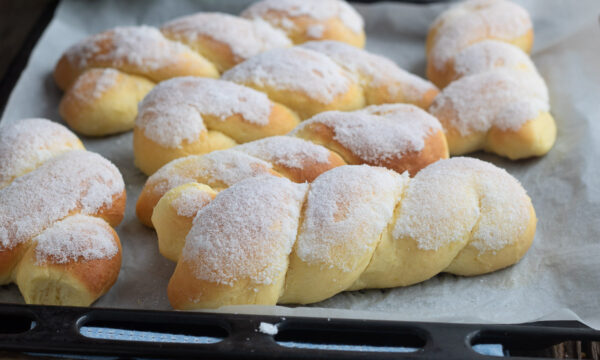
<point x="105" y="102"/>
<point x="321" y="76"/>
<point x="495" y="101"/>
<point x="305" y="20"/>
<point x="353" y="227"/>
<point x="191" y="115"/>
<point x="399" y="136"/>
<point x="57" y="205"/>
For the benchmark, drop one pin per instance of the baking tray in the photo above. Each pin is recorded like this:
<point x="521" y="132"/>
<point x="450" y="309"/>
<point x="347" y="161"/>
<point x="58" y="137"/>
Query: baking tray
<point x="43" y="331"/>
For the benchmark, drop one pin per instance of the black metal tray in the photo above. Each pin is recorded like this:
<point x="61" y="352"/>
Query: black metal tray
<point x="40" y="331"/>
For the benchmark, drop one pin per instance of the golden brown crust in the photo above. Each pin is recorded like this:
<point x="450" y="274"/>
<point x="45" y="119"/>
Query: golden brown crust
<point x="446" y="74"/>
<point x="103" y="102"/>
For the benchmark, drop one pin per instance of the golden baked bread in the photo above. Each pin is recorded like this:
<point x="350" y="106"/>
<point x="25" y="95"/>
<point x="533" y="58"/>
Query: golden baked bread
<point x="100" y="103"/>
<point x="470" y="22"/>
<point x="401" y="137"/>
<point x="57" y="205"/>
<point x="306" y="20"/>
<point x="494" y="99"/>
<point x="354" y="227"/>
<point x="383" y="82"/>
<point x="297" y="159"/>
<point x="497" y="111"/>
<point x="306" y="81"/>
<point x="329" y="75"/>
<point x="224" y="39"/>
<point x="191" y="115"/>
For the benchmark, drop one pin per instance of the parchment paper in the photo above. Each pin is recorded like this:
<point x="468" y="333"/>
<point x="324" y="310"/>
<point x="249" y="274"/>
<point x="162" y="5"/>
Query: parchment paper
<point x="559" y="278"/>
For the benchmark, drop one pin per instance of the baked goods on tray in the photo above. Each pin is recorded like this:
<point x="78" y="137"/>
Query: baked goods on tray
<point x="267" y="240"/>
<point x="191" y="115"/>
<point x="398" y="136"/>
<point x="493" y="98"/>
<point x="58" y="204"/>
<point x="135" y="58"/>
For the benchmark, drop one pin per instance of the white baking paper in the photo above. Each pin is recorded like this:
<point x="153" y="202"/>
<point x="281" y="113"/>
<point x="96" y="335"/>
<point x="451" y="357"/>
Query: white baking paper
<point x="558" y="279"/>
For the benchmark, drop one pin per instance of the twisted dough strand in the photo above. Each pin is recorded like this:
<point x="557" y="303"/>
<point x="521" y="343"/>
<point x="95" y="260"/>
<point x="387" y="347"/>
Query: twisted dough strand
<point x="267" y="240"/>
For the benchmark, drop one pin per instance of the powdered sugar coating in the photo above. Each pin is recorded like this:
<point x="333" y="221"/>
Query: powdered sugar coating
<point x="499" y="98"/>
<point x="489" y="55"/>
<point x="475" y="20"/>
<point x="76" y="181"/>
<point x="190" y="201"/>
<point x="172" y="112"/>
<point x="76" y="238"/>
<point x="294" y="69"/>
<point x="247" y="232"/>
<point x="373" y="70"/>
<point x="244" y="37"/>
<point x="447" y="200"/>
<point x="142" y="47"/>
<point x="102" y="80"/>
<point x="28" y="143"/>
<point x="216" y="169"/>
<point x="347" y="209"/>
<point x="316" y="9"/>
<point x="285" y="151"/>
<point x="380" y="132"/>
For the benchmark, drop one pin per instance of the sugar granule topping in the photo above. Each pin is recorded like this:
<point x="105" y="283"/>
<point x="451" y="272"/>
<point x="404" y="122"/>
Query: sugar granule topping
<point x="172" y="112"/>
<point x="499" y="98"/>
<point x="28" y="143"/>
<point x="217" y="169"/>
<point x="347" y="209"/>
<point x="139" y="46"/>
<point x="247" y="232"/>
<point x="286" y="151"/>
<point x="190" y="201"/>
<point x="74" y="181"/>
<point x="258" y="35"/>
<point x="316" y="9"/>
<point x="102" y="80"/>
<point x="295" y="69"/>
<point x="267" y="328"/>
<point x="472" y="21"/>
<point x="75" y="238"/>
<point x="447" y="200"/>
<point x="379" y="133"/>
<point x="373" y="70"/>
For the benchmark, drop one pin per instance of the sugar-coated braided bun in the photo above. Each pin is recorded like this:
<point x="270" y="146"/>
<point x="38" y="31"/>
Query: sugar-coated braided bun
<point x="57" y="207"/>
<point x="494" y="99"/>
<point x="306" y="81"/>
<point x="191" y="115"/>
<point x="383" y="82"/>
<point x="100" y="103"/>
<point x="470" y="22"/>
<point x="306" y="20"/>
<point x="224" y="39"/>
<point x="353" y="227"/>
<point x="399" y="136"/>
<point x="297" y="159"/>
<point x="138" y="50"/>
<point x="497" y="111"/>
